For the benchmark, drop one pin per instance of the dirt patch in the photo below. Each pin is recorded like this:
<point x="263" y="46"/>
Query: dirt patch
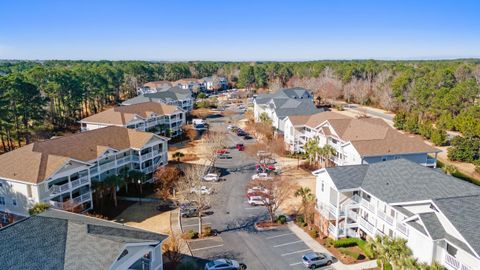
<point x="146" y="216"/>
<point x="346" y="259"/>
<point x="300" y="178"/>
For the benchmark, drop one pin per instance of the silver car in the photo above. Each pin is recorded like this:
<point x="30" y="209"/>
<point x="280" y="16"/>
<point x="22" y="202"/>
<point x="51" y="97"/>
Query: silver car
<point x="313" y="260"/>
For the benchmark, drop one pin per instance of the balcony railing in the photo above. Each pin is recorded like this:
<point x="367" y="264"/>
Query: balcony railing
<point x="367" y="205"/>
<point x="402" y="228"/>
<point x="107" y="166"/>
<point x="56" y="189"/>
<point x="80" y="181"/>
<point x="147" y="155"/>
<point x="82" y="198"/>
<point x="453" y="263"/>
<point x="156" y="152"/>
<point x="366" y="225"/>
<point x="385" y="217"/>
<point x="123" y="160"/>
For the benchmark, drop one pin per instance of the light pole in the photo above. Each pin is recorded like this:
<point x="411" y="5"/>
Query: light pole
<point x="139" y="191"/>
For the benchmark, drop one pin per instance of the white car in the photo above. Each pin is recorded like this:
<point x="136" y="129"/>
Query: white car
<point x="261" y="176"/>
<point x="258" y="189"/>
<point x="222" y="264"/>
<point x="211" y="177"/>
<point x="203" y="190"/>
<point x="257" y="200"/>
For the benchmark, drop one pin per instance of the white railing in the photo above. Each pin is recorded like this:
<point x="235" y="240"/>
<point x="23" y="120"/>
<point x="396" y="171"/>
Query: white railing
<point x="82" y="198"/>
<point x="56" y="189"/>
<point x="453" y="263"/>
<point x="156" y="152"/>
<point x="402" y="228"/>
<point x="367" y="205"/>
<point x="107" y="166"/>
<point x="80" y="181"/>
<point x="56" y="204"/>
<point x="135" y="158"/>
<point x="389" y="220"/>
<point x="352" y="215"/>
<point x="147" y="155"/>
<point x="123" y="160"/>
<point x="365" y="224"/>
<point x="94" y="170"/>
<point x="148" y="169"/>
<point x="332" y="229"/>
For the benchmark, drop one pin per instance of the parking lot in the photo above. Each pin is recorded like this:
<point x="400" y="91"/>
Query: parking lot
<point x="234" y="218"/>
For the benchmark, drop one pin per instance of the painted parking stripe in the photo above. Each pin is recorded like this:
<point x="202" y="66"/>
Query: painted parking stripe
<point x="202" y="248"/>
<point x="192" y="225"/>
<point x="295" y="252"/>
<point x="289" y="243"/>
<point x="280" y="235"/>
<point x="251" y="208"/>
<point x="292" y="264"/>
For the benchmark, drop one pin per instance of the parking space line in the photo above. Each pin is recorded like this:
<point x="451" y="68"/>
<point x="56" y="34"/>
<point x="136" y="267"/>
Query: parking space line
<point x="202" y="248"/>
<point x="292" y="264"/>
<point x="251" y="208"/>
<point x="191" y="225"/>
<point x="295" y="252"/>
<point x="289" y="243"/>
<point x="280" y="235"/>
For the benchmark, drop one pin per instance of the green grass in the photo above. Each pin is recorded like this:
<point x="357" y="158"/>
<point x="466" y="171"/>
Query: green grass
<point x="349" y="253"/>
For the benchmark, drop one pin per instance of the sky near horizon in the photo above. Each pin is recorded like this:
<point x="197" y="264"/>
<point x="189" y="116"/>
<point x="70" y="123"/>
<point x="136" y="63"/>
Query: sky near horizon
<point x="239" y="30"/>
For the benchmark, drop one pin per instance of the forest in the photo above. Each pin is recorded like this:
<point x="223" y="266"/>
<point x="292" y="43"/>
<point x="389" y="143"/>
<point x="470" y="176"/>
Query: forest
<point x="42" y="98"/>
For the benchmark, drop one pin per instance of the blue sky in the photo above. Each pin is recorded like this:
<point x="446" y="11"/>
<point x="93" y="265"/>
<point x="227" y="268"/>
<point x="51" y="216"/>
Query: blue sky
<point x="238" y="30"/>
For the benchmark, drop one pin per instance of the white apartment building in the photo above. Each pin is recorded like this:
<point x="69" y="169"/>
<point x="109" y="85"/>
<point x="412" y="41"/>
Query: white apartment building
<point x="436" y="213"/>
<point x="153" y="87"/>
<point x="182" y="98"/>
<point x="60" y="171"/>
<point x="356" y="141"/>
<point x="214" y="83"/>
<point x="283" y="103"/>
<point x="60" y="240"/>
<point x="158" y="118"/>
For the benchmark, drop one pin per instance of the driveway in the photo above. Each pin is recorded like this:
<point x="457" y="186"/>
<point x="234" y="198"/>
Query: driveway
<point x="233" y="217"/>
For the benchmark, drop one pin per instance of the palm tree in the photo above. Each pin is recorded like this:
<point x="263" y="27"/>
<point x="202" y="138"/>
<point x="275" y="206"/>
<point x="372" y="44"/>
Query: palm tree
<point x="137" y="177"/>
<point x="306" y="194"/>
<point x="113" y="182"/>
<point x="312" y="149"/>
<point x="265" y="119"/>
<point x="327" y="152"/>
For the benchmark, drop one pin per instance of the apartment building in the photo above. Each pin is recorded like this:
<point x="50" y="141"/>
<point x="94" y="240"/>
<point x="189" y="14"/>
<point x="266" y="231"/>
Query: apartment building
<point x="214" y="83"/>
<point x="158" y="118"/>
<point x="436" y="213"/>
<point x="60" y="171"/>
<point x="153" y="87"/>
<point x="357" y="141"/>
<point x="182" y="98"/>
<point x="60" y="240"/>
<point x="191" y="84"/>
<point x="283" y="103"/>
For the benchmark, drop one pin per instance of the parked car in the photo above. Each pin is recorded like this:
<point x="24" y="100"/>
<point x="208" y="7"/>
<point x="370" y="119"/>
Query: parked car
<point x="240" y="146"/>
<point x="313" y="260"/>
<point x="202" y="190"/>
<point x="211" y="177"/>
<point x="248" y="137"/>
<point x="230" y="127"/>
<point x="222" y="264"/>
<point x="258" y="189"/>
<point x="261" y="176"/>
<point x="188" y="212"/>
<point x="222" y="151"/>
<point x="224" y="156"/>
<point x="257" y="200"/>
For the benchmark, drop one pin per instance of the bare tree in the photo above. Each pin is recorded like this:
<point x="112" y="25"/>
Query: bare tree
<point x="279" y="189"/>
<point x="172" y="249"/>
<point x="192" y="180"/>
<point x="212" y="141"/>
<point x="166" y="179"/>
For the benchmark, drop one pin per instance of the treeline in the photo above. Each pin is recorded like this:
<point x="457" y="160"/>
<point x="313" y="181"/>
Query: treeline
<point x="440" y="94"/>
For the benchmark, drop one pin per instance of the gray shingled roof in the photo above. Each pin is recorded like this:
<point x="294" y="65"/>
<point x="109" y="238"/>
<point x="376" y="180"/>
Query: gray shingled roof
<point x="61" y="240"/>
<point x="400" y="180"/>
<point x="462" y="212"/>
<point x="347" y="177"/>
<point x="287" y="93"/>
<point x="173" y="93"/>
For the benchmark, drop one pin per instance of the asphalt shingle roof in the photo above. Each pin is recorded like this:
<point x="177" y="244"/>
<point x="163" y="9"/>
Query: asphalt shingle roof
<point x="173" y="93"/>
<point x="347" y="177"/>
<point x="61" y="240"/>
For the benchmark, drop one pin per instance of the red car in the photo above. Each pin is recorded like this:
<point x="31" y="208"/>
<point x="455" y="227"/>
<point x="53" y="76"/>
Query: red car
<point x="222" y="151"/>
<point x="240" y="147"/>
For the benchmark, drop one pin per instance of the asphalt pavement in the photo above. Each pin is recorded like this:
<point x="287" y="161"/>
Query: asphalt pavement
<point x="234" y="218"/>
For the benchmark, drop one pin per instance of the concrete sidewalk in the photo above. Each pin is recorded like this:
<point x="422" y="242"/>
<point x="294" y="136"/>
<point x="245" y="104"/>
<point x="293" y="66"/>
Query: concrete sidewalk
<point x="177" y="230"/>
<point x="317" y="247"/>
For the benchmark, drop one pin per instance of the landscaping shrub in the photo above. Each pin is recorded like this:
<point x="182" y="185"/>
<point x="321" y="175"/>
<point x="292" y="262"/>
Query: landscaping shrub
<point x="207" y="231"/>
<point x="300" y="219"/>
<point x="282" y="219"/>
<point x="313" y="233"/>
<point x="329" y="242"/>
<point x="348" y="242"/>
<point x="191" y="234"/>
<point x="349" y="253"/>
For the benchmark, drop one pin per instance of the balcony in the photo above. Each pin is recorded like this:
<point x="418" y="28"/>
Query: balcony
<point x="80" y="181"/>
<point x="57" y="189"/>
<point x="402" y="228"/>
<point x="147" y="156"/>
<point x="107" y="166"/>
<point x="453" y="264"/>
<point x="388" y="219"/>
<point x="123" y="160"/>
<point x="148" y="169"/>
<point x="156" y="152"/>
<point x="366" y="225"/>
<point x="367" y="205"/>
<point x="85" y="197"/>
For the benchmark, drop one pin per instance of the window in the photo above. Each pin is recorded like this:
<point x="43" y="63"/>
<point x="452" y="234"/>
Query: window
<point x="2" y="200"/>
<point x="323" y="186"/>
<point x="14" y="202"/>
<point x="451" y="250"/>
<point x="384" y="158"/>
<point x="1" y="184"/>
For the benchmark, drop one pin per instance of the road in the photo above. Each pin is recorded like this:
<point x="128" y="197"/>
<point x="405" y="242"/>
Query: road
<point x="370" y="112"/>
<point x="234" y="218"/>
